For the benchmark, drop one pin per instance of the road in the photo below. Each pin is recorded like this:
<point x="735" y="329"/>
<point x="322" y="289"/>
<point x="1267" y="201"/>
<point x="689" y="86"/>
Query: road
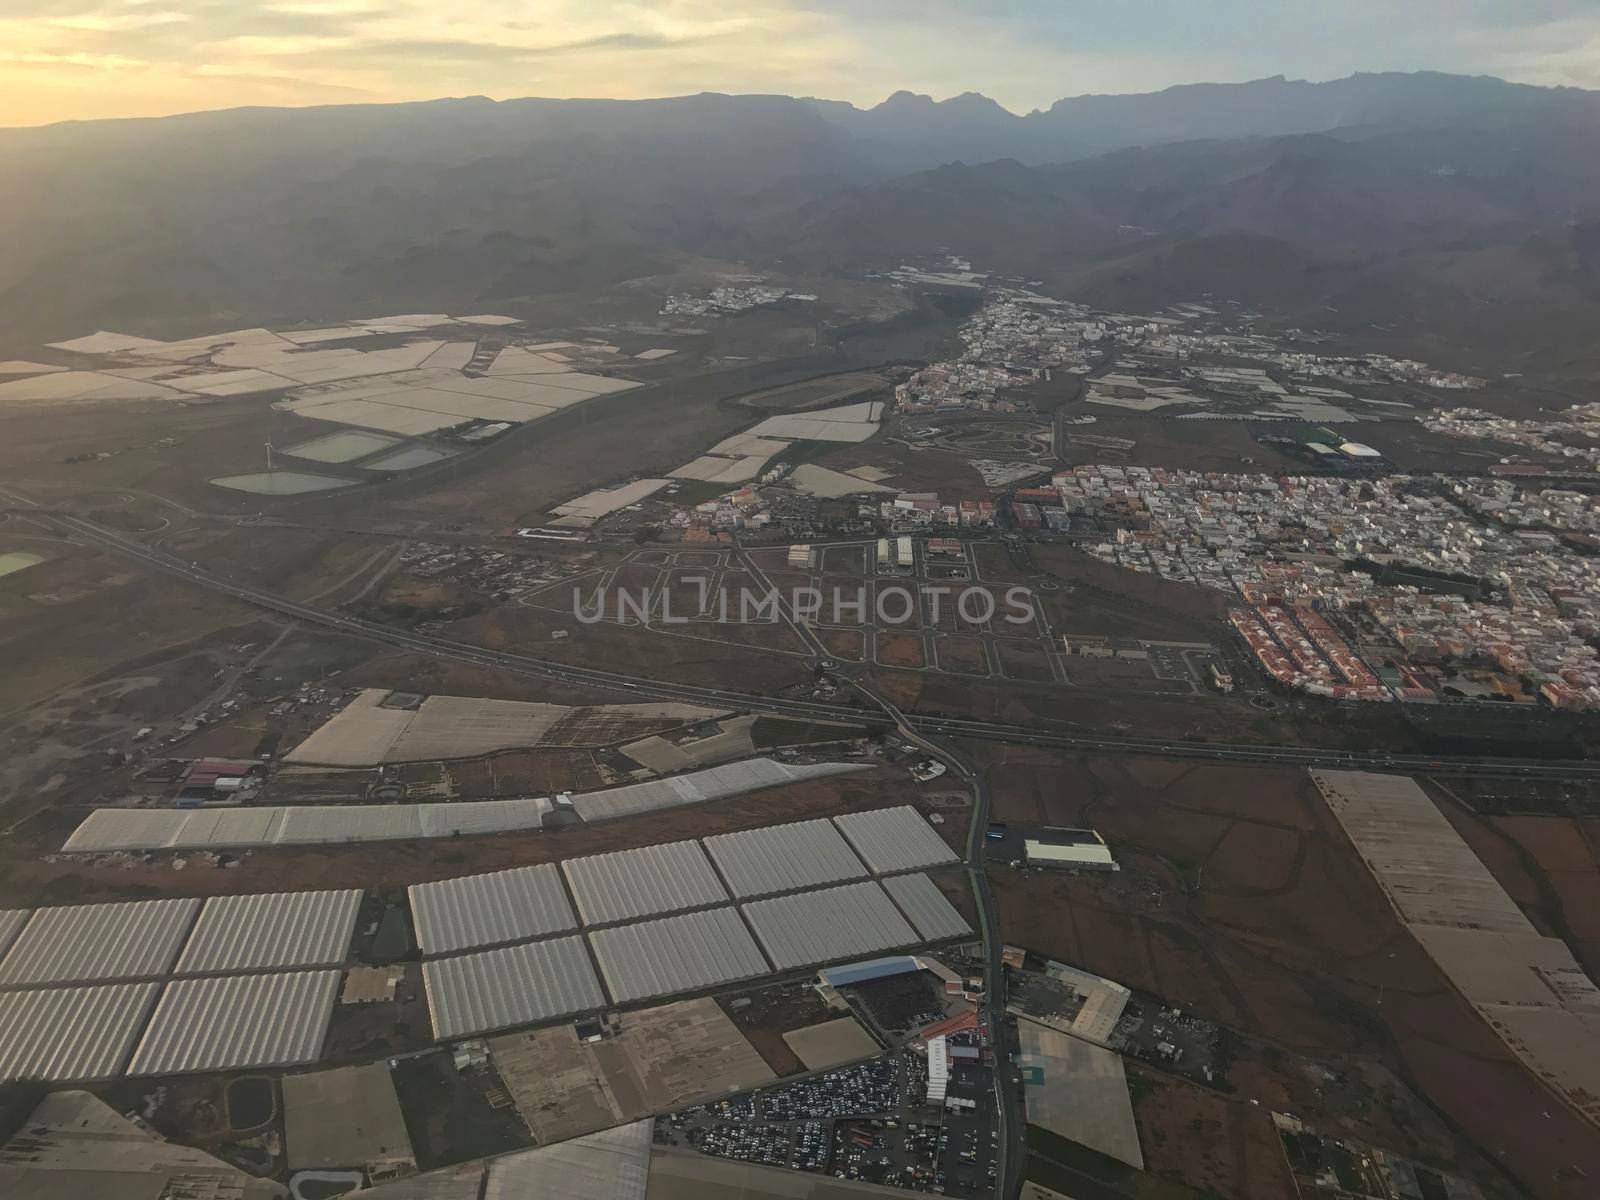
<point x="728" y="698"/>
<point x="1011" y="1122"/>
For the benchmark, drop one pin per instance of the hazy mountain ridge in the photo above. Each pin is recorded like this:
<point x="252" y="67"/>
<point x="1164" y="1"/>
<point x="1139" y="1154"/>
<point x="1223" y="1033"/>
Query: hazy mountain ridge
<point x="287" y="211"/>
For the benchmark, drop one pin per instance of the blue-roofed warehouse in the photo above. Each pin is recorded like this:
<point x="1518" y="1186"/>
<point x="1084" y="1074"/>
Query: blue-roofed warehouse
<point x="877" y="968"/>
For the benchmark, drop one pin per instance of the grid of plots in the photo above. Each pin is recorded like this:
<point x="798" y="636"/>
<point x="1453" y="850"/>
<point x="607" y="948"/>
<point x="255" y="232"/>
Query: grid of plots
<point x="86" y="993"/>
<point x="231" y="1021"/>
<point x="518" y="985"/>
<point x="808" y="928"/>
<point x="646" y="882"/>
<point x="783" y="858"/>
<point x="281" y="929"/>
<point x="484" y="910"/>
<point x="891" y="840"/>
<point x="677" y="954"/>
<point x="93" y="943"/>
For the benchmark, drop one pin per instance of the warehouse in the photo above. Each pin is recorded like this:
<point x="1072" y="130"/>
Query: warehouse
<point x="819" y="927"/>
<point x="484" y="910"/>
<point x="645" y="882"/>
<point x="60" y="1034"/>
<point x="232" y="1021"/>
<point x="518" y="985"/>
<point x="283" y="929"/>
<point x="1082" y="849"/>
<point x="678" y="954"/>
<point x="894" y="839"/>
<point x="98" y="942"/>
<point x="921" y="900"/>
<point x="783" y="858"/>
<point x="865" y="972"/>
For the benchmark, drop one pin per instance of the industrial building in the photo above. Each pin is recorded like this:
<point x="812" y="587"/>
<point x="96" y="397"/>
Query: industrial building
<point x="938" y="1070"/>
<point x="1079" y="849"/>
<point x="801" y="558"/>
<point x="863" y="972"/>
<point x="904" y="556"/>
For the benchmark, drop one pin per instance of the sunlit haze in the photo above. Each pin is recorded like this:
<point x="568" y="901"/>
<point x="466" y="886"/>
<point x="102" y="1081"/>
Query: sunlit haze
<point x="68" y="59"/>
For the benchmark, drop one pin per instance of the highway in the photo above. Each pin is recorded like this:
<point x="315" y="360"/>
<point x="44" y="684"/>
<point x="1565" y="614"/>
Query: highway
<point x="727" y="698"/>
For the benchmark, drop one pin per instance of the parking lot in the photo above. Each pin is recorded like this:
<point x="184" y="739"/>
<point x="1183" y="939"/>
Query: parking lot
<point x="869" y="1122"/>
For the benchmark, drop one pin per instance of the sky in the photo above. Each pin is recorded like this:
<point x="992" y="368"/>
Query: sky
<point x="73" y="59"/>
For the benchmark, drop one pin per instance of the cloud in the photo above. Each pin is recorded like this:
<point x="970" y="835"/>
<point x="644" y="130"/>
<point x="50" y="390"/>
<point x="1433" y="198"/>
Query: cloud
<point x="75" y="60"/>
<point x="120" y="22"/>
<point x="1024" y="53"/>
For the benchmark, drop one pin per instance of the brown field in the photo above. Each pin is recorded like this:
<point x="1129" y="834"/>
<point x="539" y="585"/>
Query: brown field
<point x="699" y="652"/>
<point x="912" y="470"/>
<point x="525" y="772"/>
<point x="1548" y="865"/>
<point x="1241" y="900"/>
<point x="900" y="650"/>
<point x="850" y="561"/>
<point x="1193" y="1136"/>
<point x="1023" y="661"/>
<point x="848" y="644"/>
<point x="961" y="655"/>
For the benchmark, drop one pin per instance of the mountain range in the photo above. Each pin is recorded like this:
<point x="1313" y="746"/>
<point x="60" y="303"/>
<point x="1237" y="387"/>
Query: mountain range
<point x="1455" y="207"/>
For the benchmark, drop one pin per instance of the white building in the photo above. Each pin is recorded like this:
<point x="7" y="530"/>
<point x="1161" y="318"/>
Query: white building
<point x="938" y="1069"/>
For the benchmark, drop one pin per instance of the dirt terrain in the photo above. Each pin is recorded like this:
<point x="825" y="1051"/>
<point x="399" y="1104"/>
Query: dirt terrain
<point x="1241" y="900"/>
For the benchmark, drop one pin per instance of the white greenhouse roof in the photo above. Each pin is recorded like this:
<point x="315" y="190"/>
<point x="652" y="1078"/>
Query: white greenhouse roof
<point x="646" y="882"/>
<point x="782" y="858"/>
<point x="108" y="829"/>
<point x="810" y="928"/>
<point x="89" y="943"/>
<point x="280" y="929"/>
<point x="60" y="1034"/>
<point x="922" y="901"/>
<point x="11" y="923"/>
<point x="895" y="839"/>
<point x="613" y="1164"/>
<point x="678" y="954"/>
<point x="230" y="1021"/>
<point x="730" y="779"/>
<point x="484" y="910"/>
<point x="517" y="985"/>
